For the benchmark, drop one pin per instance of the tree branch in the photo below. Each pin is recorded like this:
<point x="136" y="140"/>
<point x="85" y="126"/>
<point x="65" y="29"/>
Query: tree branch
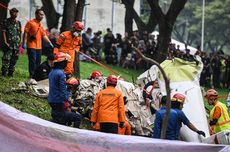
<point x="167" y="86"/>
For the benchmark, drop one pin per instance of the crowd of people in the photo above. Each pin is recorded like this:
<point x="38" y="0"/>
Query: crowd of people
<point x="109" y="109"/>
<point x="119" y="51"/>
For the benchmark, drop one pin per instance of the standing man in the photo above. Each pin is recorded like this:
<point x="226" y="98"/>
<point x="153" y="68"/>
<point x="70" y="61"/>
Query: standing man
<point x="33" y="35"/>
<point x="219" y="118"/>
<point x="109" y="108"/>
<point x="171" y="132"/>
<point x="12" y="32"/>
<point x="70" y="42"/>
<point x="177" y="102"/>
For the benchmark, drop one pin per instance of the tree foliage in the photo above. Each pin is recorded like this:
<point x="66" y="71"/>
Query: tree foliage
<point x="217" y="20"/>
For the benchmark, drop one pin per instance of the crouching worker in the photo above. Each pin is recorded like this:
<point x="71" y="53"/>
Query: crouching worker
<point x="43" y="70"/>
<point x="58" y="93"/>
<point x="109" y="108"/>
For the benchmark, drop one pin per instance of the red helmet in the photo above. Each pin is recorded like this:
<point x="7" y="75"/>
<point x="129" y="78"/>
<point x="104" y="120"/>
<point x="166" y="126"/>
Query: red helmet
<point x="66" y="104"/>
<point x="178" y="97"/>
<point x="96" y="74"/>
<point x="78" y="26"/>
<point x="112" y="80"/>
<point x="72" y="82"/>
<point x="60" y="56"/>
<point x="211" y="93"/>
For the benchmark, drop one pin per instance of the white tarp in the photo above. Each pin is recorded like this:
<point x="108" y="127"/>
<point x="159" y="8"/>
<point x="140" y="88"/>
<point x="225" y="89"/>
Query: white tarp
<point x="24" y="132"/>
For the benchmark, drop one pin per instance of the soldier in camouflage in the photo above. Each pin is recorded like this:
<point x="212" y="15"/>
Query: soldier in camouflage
<point x="12" y="35"/>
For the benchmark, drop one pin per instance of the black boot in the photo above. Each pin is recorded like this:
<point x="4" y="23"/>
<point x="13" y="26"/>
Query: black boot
<point x="10" y="74"/>
<point x="4" y="73"/>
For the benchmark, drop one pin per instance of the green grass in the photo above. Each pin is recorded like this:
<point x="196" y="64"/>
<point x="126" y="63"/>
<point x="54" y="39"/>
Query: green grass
<point x="37" y="106"/>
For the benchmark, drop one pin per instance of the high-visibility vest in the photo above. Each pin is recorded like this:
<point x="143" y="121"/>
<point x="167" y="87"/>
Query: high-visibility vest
<point x="223" y="122"/>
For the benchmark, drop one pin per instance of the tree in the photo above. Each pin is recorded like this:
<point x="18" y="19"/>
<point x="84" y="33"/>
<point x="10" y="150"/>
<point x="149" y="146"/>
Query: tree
<point x="217" y="20"/>
<point x="216" y="24"/>
<point x="68" y="15"/>
<point x="79" y="10"/>
<point x="141" y="25"/>
<point x="166" y="23"/>
<point x="3" y="9"/>
<point x="128" y="16"/>
<point x="51" y="14"/>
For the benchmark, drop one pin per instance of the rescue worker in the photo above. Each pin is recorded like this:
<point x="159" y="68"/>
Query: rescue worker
<point x="219" y="118"/>
<point x="96" y="74"/>
<point x="32" y="39"/>
<point x="58" y="93"/>
<point x="70" y="42"/>
<point x="12" y="32"/>
<point x="126" y="130"/>
<point x="109" y="108"/>
<point x="72" y="86"/>
<point x="177" y="102"/>
<point x="43" y="70"/>
<point x="171" y="132"/>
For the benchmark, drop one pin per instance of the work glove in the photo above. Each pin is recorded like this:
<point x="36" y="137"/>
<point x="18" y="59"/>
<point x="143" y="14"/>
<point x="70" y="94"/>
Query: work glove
<point x="213" y="122"/>
<point x="51" y="45"/>
<point x="121" y="125"/>
<point x="201" y="133"/>
<point x="24" y="45"/>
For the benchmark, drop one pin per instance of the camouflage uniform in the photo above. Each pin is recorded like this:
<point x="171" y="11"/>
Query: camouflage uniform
<point x="11" y="53"/>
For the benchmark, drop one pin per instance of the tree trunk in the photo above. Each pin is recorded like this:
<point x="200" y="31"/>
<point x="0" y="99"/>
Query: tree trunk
<point x="68" y="15"/>
<point x="79" y="10"/>
<point x="52" y="17"/>
<point x="78" y="17"/>
<point x="3" y="15"/>
<point x="149" y="27"/>
<point x="166" y="23"/>
<point x="128" y="16"/>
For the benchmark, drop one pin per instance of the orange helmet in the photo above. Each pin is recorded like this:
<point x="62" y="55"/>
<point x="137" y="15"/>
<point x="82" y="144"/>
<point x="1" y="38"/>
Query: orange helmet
<point x="78" y="26"/>
<point x="72" y="82"/>
<point x="112" y="80"/>
<point x="60" y="56"/>
<point x="96" y="74"/>
<point x="211" y="93"/>
<point x="178" y="97"/>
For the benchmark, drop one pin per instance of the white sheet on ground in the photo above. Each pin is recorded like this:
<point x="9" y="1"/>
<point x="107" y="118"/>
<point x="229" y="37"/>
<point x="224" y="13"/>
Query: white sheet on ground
<point x="24" y="132"/>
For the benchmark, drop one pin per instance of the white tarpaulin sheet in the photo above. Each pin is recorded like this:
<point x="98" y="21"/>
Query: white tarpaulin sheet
<point x="24" y="132"/>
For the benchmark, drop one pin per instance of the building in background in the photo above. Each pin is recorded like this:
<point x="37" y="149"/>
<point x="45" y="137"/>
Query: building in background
<point x="98" y="13"/>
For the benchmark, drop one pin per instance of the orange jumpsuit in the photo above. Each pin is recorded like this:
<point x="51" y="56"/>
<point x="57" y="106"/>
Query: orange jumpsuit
<point x="108" y="107"/>
<point x="67" y="43"/>
<point x="126" y="130"/>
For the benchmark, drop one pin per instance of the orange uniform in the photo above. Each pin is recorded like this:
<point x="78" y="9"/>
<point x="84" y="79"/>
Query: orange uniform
<point x="68" y="44"/>
<point x="108" y="107"/>
<point x="34" y="28"/>
<point x="126" y="130"/>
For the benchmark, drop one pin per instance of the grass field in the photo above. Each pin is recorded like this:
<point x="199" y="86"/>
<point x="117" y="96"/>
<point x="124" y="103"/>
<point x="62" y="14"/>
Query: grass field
<point x="39" y="107"/>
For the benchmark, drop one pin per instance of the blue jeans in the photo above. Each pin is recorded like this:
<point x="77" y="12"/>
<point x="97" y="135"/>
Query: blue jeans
<point x="34" y="57"/>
